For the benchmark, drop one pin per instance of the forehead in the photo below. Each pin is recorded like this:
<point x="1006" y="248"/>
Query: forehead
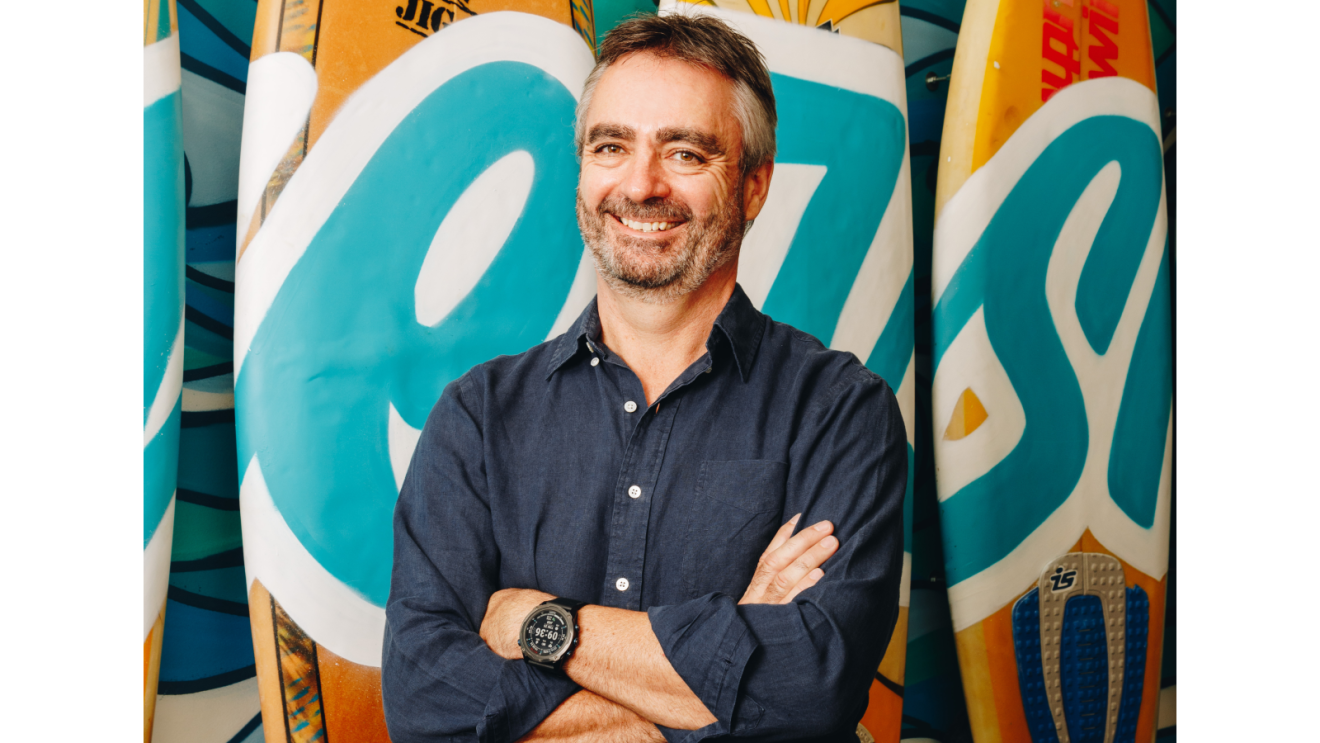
<point x="646" y="92"/>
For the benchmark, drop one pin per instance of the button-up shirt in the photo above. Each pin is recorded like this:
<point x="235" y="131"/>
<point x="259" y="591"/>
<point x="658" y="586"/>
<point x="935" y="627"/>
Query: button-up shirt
<point x="548" y="470"/>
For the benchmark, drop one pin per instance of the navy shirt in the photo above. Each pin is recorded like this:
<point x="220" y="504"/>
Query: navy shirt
<point x="547" y="470"/>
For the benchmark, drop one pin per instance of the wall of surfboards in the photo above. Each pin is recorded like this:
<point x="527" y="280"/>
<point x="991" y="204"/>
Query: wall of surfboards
<point x="362" y="211"/>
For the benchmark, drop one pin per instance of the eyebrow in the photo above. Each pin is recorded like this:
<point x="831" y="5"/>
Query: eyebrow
<point x="707" y="142"/>
<point x="610" y="131"/>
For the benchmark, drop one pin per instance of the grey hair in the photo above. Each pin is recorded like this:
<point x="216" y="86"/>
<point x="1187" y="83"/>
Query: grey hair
<point x="704" y="41"/>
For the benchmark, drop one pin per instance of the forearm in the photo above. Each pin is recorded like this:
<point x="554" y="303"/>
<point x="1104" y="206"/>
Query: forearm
<point x="587" y="717"/>
<point x="619" y="658"/>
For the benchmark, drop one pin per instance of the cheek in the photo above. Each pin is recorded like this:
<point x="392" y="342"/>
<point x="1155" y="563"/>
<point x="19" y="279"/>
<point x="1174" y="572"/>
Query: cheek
<point x="704" y="196"/>
<point x="594" y="184"/>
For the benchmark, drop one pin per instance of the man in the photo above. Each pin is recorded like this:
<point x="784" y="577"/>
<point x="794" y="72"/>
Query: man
<point x="643" y="462"/>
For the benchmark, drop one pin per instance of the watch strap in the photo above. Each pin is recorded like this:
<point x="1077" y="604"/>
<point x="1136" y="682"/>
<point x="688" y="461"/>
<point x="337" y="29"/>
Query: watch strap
<point x="571" y="604"/>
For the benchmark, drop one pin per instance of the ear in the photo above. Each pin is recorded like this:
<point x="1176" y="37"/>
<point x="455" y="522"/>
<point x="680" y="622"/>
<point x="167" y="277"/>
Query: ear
<point x="756" y="186"/>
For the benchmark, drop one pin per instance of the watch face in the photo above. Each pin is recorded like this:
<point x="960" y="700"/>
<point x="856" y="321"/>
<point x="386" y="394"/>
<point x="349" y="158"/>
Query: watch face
<point x="546" y="632"/>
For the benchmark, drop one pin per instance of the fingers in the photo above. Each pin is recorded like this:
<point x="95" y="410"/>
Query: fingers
<point x="782" y="535"/>
<point x="808" y="581"/>
<point x="784" y="566"/>
<point x="801" y="559"/>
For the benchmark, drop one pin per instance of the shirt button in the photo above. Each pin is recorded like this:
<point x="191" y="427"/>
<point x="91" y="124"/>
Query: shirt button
<point x="595" y="361"/>
<point x="621" y="584"/>
<point x="634" y="492"/>
<point x="630" y="406"/>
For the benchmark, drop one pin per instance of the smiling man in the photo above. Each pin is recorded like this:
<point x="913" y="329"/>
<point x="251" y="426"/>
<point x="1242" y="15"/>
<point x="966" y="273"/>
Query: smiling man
<point x="588" y="544"/>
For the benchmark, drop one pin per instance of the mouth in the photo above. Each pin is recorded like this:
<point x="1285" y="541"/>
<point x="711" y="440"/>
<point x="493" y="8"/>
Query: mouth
<point x="647" y="227"/>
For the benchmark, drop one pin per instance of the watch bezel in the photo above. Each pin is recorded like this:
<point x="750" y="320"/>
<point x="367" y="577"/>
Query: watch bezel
<point x="554" y="659"/>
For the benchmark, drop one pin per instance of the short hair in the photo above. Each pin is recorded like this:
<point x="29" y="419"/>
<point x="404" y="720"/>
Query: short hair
<point x="704" y="41"/>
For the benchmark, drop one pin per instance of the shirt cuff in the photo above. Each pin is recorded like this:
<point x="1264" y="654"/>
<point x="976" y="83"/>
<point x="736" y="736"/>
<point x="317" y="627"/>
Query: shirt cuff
<point x="523" y="697"/>
<point x="708" y="644"/>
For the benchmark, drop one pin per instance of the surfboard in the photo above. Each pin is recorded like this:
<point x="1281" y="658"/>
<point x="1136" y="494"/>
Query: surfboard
<point x="208" y="685"/>
<point x="162" y="334"/>
<point x="831" y="253"/>
<point x="1051" y="396"/>
<point x="405" y="211"/>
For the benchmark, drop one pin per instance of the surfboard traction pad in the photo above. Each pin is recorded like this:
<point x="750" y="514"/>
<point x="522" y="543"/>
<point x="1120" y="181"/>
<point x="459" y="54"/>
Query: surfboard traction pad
<point x="1078" y="686"/>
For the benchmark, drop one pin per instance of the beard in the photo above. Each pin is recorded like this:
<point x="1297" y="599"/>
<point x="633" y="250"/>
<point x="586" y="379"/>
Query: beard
<point x="663" y="268"/>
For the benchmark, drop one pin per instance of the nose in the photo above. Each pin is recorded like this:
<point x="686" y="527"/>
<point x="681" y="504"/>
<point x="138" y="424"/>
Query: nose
<point x="645" y="178"/>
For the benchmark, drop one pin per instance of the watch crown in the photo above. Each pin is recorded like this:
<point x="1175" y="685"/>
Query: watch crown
<point x="519" y="643"/>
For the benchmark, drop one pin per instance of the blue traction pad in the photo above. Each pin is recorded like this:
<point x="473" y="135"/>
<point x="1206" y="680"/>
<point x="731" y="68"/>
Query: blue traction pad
<point x="1084" y="668"/>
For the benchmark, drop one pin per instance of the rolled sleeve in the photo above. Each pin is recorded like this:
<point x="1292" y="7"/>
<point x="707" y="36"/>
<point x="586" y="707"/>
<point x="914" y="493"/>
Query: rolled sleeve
<point x="802" y="670"/>
<point x="439" y="680"/>
<point x="709" y="645"/>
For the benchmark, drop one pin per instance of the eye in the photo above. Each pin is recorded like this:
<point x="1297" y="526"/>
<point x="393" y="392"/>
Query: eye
<point x="687" y="157"/>
<point x="609" y="149"/>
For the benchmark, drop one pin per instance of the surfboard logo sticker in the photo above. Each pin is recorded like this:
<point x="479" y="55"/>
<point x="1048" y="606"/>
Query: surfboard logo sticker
<point x="1051" y="311"/>
<point x="426" y="17"/>
<point x="1059" y="46"/>
<point x="1062" y="581"/>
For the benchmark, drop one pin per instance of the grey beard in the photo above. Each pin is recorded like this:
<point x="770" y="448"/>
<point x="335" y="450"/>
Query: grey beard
<point x="709" y="245"/>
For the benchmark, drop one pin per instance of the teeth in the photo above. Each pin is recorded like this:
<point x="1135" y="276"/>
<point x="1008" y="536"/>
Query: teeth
<point x="646" y="226"/>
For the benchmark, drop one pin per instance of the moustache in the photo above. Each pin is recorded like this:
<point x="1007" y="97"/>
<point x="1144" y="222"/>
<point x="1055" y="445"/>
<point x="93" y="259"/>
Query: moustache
<point x="647" y="211"/>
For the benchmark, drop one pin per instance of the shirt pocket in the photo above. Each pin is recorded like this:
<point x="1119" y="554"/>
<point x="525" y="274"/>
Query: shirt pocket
<point x="737" y="510"/>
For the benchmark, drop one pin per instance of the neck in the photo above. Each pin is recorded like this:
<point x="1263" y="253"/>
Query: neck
<point x="659" y="341"/>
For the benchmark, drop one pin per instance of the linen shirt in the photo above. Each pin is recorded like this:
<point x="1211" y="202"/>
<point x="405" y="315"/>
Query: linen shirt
<point x="548" y="470"/>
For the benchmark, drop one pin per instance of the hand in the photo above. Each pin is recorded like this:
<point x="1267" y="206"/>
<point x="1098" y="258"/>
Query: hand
<point x="505" y="613"/>
<point x="789" y="566"/>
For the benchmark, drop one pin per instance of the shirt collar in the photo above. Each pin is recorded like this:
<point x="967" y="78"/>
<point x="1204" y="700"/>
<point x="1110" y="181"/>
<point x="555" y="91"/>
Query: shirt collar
<point x="743" y="325"/>
<point x="740" y="322"/>
<point x="584" y="331"/>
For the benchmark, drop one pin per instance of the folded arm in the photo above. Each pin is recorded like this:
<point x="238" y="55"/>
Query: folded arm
<point x="618" y="656"/>
<point x="785" y="667"/>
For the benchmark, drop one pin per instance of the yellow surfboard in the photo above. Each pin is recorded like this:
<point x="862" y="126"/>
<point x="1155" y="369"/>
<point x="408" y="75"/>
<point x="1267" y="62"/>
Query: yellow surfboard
<point x="1051" y="396"/>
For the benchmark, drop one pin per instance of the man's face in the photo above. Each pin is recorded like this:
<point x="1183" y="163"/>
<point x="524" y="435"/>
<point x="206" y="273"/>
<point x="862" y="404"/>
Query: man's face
<point x="660" y="195"/>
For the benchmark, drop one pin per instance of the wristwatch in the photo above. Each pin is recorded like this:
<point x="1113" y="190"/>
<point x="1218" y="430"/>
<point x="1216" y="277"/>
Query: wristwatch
<point x="550" y="633"/>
